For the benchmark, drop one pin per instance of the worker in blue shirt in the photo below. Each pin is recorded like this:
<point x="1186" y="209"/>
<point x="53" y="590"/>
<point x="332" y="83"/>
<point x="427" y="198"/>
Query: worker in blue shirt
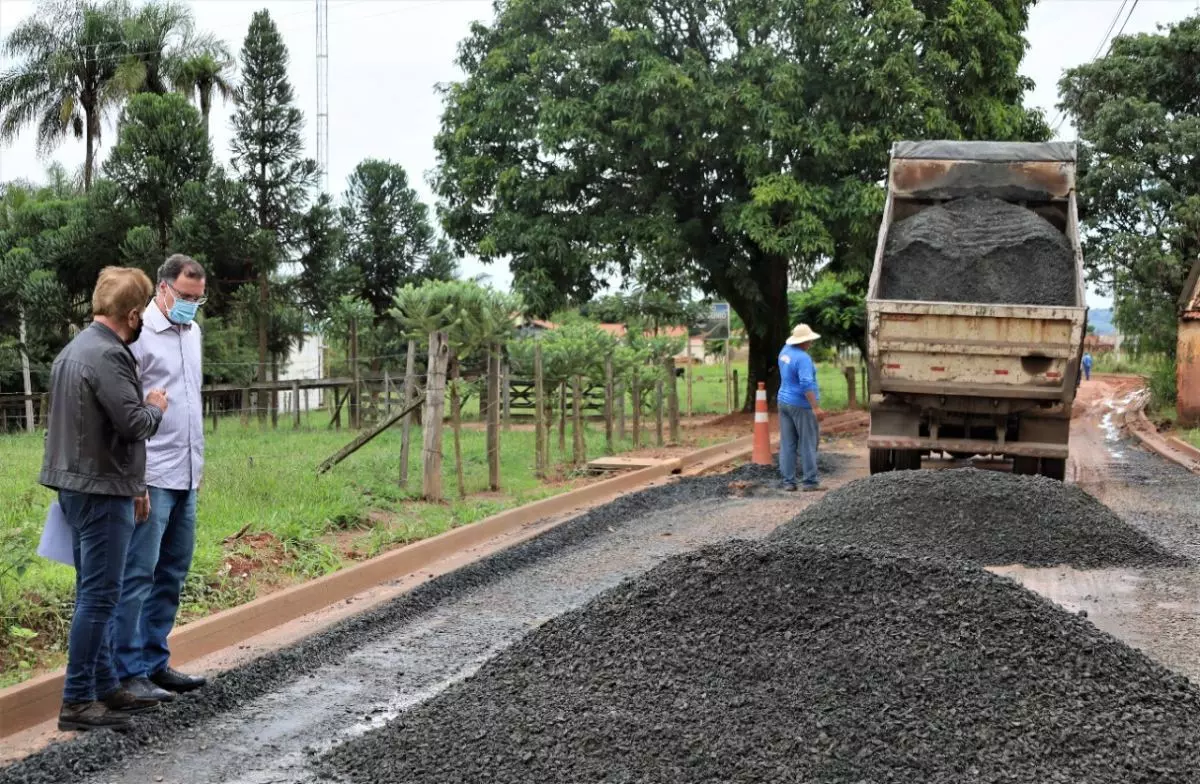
<point x="799" y="410"/>
<point x="1087" y="366"/>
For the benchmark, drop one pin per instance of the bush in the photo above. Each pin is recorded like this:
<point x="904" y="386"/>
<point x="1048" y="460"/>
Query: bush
<point x="1162" y="383"/>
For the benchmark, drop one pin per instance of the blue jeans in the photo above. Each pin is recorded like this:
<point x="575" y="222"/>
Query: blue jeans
<point x="159" y="558"/>
<point x="101" y="526"/>
<point x="798" y="435"/>
<point x="1087" y="372"/>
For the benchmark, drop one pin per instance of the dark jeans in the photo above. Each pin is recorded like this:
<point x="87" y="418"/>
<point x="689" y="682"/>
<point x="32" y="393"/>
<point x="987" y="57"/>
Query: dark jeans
<point x="798" y="436"/>
<point x="101" y="526"/>
<point x="159" y="558"/>
<point x="1087" y="373"/>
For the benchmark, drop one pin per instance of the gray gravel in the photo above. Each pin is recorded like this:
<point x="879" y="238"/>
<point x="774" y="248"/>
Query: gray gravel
<point x="779" y="663"/>
<point x="979" y="249"/>
<point x="986" y="517"/>
<point x="188" y="721"/>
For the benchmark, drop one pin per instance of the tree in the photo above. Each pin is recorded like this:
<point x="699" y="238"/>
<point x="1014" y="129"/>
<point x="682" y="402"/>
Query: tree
<point x="390" y="241"/>
<point x="1138" y="120"/>
<point x="834" y="311"/>
<point x="267" y="155"/>
<point x="69" y="56"/>
<point x="162" y="150"/>
<point x="204" y="75"/>
<point x="160" y="38"/>
<point x="734" y="144"/>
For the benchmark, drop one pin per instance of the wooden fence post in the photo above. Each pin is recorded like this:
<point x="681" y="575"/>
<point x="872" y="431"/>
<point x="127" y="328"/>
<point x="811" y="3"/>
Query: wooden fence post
<point x="539" y="415"/>
<point x="562" y="419"/>
<point x="737" y="392"/>
<point x="356" y="388"/>
<point x="728" y="380"/>
<point x="672" y="400"/>
<point x="435" y="399"/>
<point x="620" y="402"/>
<point x="273" y="395"/>
<point x="579" y="447"/>
<point x="658" y="414"/>
<point x="688" y="371"/>
<point x="296" y="405"/>
<point x="493" y="418"/>
<point x="410" y="381"/>
<point x="851" y="392"/>
<point x="506" y="394"/>
<point x="246" y="407"/>
<point x="608" y="404"/>
<point x="387" y="394"/>
<point x="456" y="424"/>
<point x="637" y="410"/>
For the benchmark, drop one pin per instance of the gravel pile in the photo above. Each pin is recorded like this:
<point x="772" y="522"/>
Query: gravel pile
<point x="979" y="249"/>
<point x="97" y="752"/>
<point x="987" y="517"/>
<point x="774" y="662"/>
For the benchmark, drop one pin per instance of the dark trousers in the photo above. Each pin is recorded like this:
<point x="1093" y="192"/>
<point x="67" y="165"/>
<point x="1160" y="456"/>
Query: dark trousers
<point x="101" y="526"/>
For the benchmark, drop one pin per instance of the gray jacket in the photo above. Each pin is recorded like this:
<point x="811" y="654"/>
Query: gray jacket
<point x="98" y="423"/>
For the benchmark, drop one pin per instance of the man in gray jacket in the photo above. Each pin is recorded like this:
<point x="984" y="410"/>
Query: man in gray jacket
<point x="96" y="459"/>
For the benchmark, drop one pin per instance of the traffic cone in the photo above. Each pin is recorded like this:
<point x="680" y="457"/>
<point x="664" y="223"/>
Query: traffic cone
<point x="762" y="428"/>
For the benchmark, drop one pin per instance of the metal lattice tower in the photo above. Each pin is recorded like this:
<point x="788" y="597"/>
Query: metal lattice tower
<point x="323" y="91"/>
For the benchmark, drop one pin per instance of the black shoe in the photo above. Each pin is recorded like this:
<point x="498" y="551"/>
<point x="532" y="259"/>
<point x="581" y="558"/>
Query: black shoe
<point x="143" y="688"/>
<point x="125" y="701"/>
<point x="788" y="487"/>
<point x="813" y="488"/>
<point x="175" y="681"/>
<point x="83" y="716"/>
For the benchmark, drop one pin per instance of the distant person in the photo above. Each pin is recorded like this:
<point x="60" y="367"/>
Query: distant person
<point x="1087" y="366"/>
<point x="160" y="553"/>
<point x="96" y="459"/>
<point x="799" y="410"/>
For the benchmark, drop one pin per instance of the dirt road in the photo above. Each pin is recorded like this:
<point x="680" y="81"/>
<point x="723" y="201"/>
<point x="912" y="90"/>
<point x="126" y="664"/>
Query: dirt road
<point x="269" y="721"/>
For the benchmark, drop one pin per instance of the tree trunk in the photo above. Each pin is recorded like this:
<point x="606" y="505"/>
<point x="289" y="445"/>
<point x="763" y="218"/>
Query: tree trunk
<point x="26" y="378"/>
<point x="92" y="115"/>
<point x="205" y="105"/>
<point x="767" y="329"/>
<point x="263" y="304"/>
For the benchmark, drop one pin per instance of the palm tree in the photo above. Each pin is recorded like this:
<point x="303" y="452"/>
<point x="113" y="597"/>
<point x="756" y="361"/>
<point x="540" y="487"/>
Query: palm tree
<point x="161" y="38"/>
<point x="204" y="74"/>
<point x="69" y="57"/>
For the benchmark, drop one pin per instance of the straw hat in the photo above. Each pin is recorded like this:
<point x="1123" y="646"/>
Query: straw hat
<point x="802" y="334"/>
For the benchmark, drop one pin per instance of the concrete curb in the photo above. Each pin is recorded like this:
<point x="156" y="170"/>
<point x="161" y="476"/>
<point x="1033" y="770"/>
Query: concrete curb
<point x="1168" y="447"/>
<point x="35" y="701"/>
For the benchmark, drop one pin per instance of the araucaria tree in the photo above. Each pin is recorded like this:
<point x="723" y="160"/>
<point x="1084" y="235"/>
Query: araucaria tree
<point x="389" y="239"/>
<point x="1137" y="112"/>
<point x="268" y="158"/>
<point x="736" y="143"/>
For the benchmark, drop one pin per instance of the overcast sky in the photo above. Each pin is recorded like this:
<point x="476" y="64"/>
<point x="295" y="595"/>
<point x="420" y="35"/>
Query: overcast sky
<point x="387" y="55"/>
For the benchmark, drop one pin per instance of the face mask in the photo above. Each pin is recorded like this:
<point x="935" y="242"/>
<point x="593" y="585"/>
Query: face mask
<point x="137" y="333"/>
<point x="183" y="312"/>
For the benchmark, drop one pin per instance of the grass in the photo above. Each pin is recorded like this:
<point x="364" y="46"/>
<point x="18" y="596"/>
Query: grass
<point x="267" y="520"/>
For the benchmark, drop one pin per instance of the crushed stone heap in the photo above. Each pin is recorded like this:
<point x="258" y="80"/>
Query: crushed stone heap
<point x="987" y="517"/>
<point x="772" y="662"/>
<point x="978" y="249"/>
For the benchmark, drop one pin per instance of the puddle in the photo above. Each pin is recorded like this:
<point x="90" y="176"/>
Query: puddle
<point x="1154" y="610"/>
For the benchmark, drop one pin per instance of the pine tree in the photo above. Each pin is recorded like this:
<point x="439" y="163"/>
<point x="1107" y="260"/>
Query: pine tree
<point x="268" y="157"/>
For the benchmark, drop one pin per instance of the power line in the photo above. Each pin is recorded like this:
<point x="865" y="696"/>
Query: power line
<point x="1061" y="116"/>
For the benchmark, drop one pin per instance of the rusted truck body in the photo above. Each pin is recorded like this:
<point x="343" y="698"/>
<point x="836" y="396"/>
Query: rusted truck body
<point x="971" y="379"/>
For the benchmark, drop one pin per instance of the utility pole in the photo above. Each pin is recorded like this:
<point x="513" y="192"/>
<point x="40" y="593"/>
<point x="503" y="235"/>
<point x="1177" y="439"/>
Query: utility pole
<point x="323" y="92"/>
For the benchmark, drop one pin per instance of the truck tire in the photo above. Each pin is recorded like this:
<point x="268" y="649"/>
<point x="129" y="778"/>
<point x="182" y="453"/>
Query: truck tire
<point x="1054" y="468"/>
<point x="907" y="459"/>
<point x="1025" y="466"/>
<point x="881" y="461"/>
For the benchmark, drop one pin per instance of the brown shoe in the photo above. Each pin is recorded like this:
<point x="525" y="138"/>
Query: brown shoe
<point x="125" y="701"/>
<point x="84" y="716"/>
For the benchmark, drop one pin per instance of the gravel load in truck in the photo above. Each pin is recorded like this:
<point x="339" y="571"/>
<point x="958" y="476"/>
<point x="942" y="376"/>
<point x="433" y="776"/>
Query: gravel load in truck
<point x="978" y="249"/>
<point x="773" y="662"/>
<point x="987" y="517"/>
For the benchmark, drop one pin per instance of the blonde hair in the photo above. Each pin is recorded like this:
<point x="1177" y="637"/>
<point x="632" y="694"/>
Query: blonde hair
<point x="120" y="290"/>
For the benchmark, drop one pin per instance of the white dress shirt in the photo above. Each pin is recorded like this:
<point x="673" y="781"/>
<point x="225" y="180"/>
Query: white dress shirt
<point x="169" y="357"/>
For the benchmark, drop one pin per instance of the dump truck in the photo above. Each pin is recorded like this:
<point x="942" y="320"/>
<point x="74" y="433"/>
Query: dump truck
<point x="989" y="379"/>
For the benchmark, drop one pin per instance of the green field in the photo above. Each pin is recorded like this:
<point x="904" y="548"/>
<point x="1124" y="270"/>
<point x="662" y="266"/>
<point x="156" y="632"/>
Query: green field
<point x="295" y="525"/>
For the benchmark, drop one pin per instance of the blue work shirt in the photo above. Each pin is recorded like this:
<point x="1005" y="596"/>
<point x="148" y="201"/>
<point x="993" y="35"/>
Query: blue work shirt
<point x="1087" y="361"/>
<point x="797" y="376"/>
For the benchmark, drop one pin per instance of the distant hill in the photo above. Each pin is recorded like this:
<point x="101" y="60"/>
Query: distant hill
<point x="1101" y="319"/>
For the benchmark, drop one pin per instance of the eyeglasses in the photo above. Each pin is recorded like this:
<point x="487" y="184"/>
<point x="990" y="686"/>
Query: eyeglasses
<point x="187" y="297"/>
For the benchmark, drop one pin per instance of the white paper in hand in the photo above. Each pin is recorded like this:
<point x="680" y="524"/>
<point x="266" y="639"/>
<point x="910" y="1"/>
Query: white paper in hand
<point x="56" y="537"/>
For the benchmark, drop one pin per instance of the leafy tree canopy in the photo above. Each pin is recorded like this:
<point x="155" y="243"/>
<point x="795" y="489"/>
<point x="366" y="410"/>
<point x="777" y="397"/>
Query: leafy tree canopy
<point x="1137" y="111"/>
<point x="733" y="143"/>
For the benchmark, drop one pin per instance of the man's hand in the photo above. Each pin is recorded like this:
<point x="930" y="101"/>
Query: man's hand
<point x="818" y="413"/>
<point x="141" y="508"/>
<point x="158" y="398"/>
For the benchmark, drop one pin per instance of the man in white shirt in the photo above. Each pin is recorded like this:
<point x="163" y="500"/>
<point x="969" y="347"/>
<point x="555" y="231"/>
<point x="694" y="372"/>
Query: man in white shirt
<point x="160" y="552"/>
